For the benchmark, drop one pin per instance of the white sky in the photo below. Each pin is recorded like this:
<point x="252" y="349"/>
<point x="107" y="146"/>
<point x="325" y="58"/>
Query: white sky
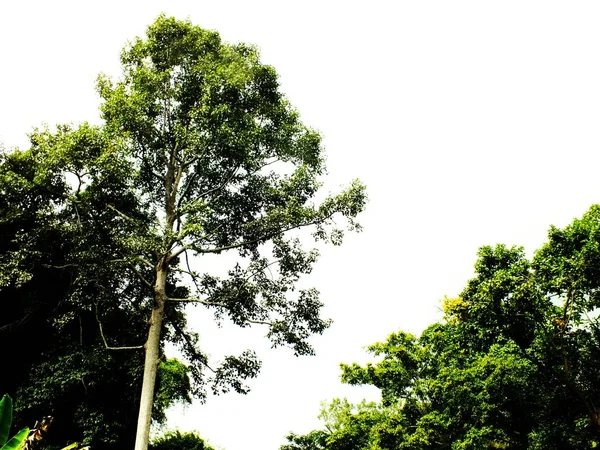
<point x="471" y="123"/>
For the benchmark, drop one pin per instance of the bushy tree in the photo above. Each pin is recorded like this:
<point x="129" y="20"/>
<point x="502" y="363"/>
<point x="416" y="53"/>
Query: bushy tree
<point x="513" y="365"/>
<point x="176" y="440"/>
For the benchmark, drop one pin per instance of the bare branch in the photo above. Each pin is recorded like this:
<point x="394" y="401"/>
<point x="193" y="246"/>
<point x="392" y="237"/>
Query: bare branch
<point x="187" y="263"/>
<point x="261" y="322"/>
<point x="137" y="347"/>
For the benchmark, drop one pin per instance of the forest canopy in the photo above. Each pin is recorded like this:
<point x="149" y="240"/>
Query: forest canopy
<point x="514" y="364"/>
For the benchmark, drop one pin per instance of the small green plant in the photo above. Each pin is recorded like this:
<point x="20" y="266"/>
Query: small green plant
<point x="17" y="441"/>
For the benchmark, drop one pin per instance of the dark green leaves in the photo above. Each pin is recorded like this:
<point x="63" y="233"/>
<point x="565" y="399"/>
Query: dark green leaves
<point x="5" y="418"/>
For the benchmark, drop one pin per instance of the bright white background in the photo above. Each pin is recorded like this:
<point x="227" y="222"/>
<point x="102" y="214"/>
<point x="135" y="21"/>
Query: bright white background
<point x="471" y="122"/>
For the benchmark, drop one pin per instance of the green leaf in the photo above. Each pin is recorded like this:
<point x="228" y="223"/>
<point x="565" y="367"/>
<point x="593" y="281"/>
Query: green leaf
<point x="5" y="418"/>
<point x="17" y="441"/>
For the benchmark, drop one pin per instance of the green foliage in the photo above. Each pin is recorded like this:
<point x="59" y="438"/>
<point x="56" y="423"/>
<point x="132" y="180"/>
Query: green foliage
<point x="16" y="442"/>
<point x="514" y="364"/>
<point x="315" y="440"/>
<point x="176" y="440"/>
<point x="5" y="418"/>
<point x="173" y="386"/>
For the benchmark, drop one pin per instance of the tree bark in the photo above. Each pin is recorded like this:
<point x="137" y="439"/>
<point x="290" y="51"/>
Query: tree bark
<point x="152" y="358"/>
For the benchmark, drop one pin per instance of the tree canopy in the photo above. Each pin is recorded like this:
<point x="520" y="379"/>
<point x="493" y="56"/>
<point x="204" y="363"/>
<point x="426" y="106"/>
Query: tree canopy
<point x="514" y="364"/>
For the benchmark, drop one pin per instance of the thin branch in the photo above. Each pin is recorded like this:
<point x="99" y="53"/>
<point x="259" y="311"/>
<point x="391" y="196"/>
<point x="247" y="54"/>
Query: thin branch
<point x="223" y="184"/>
<point x="191" y="347"/>
<point x="196" y="300"/>
<point x="137" y="347"/>
<point x="135" y="270"/>
<point x="125" y="216"/>
<point x="158" y="175"/>
<point x="592" y="323"/>
<point x="18" y="322"/>
<point x="177" y="180"/>
<point x="145" y="261"/>
<point x="80" y="331"/>
<point x="254" y="272"/>
<point x="64" y="266"/>
<point x="261" y="322"/>
<point x="223" y="305"/>
<point x="265" y="165"/>
<point x="188" y="272"/>
<point x="141" y="277"/>
<point x="251" y="241"/>
<point x="195" y="158"/>
<point x="179" y="251"/>
<point x="188" y="185"/>
<point x="187" y="263"/>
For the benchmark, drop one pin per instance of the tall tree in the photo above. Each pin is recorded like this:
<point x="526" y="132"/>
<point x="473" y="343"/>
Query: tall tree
<point x="200" y="154"/>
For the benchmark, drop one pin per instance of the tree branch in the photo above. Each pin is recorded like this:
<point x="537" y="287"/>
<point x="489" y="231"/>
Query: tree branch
<point x="176" y="253"/>
<point x="265" y="165"/>
<point x="226" y="181"/>
<point x="252" y="241"/>
<point x="137" y="347"/>
<point x="125" y="216"/>
<point x="187" y="263"/>
<point x="261" y="322"/>
<point x="141" y="277"/>
<point x="196" y="300"/>
<point x="254" y="272"/>
<point x="188" y="185"/>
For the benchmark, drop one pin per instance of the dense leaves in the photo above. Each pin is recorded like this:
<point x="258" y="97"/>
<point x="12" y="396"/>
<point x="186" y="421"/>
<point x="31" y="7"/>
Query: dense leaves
<point x="178" y="441"/>
<point x="514" y="364"/>
<point x="56" y="294"/>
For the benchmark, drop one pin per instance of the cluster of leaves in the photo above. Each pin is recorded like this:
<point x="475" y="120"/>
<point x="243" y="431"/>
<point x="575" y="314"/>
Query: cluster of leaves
<point x="515" y="363"/>
<point x="57" y="295"/>
<point x="176" y="440"/>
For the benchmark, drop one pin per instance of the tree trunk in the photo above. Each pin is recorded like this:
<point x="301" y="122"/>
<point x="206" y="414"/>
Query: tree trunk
<point x="152" y="358"/>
